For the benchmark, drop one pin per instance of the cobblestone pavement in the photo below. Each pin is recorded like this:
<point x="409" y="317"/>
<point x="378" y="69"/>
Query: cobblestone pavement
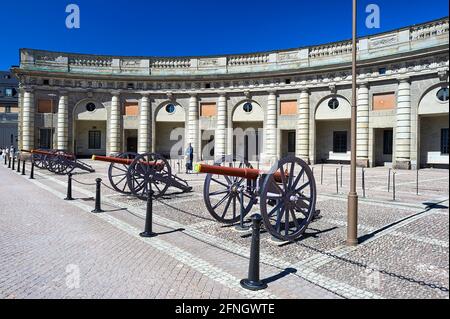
<point x="44" y="241"/>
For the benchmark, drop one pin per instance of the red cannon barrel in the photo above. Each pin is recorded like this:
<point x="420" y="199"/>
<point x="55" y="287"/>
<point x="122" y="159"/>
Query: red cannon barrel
<point x="57" y="153"/>
<point x="247" y="173"/>
<point x="126" y="161"/>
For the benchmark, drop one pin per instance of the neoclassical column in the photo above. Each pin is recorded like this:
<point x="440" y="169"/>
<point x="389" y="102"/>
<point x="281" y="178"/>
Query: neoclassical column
<point x="145" y="125"/>
<point x="19" y="115"/>
<point x="271" y="127"/>
<point x="194" y="127"/>
<point x="362" y="131"/>
<point x="220" y="145"/>
<point x="302" y="150"/>
<point x="115" y="124"/>
<point x="28" y="120"/>
<point x="403" y="129"/>
<point x="63" y="122"/>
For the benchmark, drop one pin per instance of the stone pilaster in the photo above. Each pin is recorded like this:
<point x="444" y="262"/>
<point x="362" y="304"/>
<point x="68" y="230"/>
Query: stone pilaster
<point x="20" y="118"/>
<point x="28" y="120"/>
<point x="115" y="124"/>
<point x="194" y="128"/>
<point x="271" y="127"/>
<point x="220" y="146"/>
<point x="403" y="130"/>
<point x="302" y="149"/>
<point x="63" y="122"/>
<point x="362" y="132"/>
<point x="145" y="125"/>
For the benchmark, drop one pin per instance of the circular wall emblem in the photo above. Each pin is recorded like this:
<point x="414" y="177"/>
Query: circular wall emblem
<point x="248" y="107"/>
<point x="90" y="107"/>
<point x="333" y="104"/>
<point x="442" y="94"/>
<point x="170" y="108"/>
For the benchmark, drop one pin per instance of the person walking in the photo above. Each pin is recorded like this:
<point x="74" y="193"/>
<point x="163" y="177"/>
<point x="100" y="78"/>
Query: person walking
<point x="189" y="158"/>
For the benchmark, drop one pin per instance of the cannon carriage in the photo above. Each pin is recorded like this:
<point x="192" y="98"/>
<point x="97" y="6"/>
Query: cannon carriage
<point x="286" y="194"/>
<point x="58" y="162"/>
<point x="135" y="174"/>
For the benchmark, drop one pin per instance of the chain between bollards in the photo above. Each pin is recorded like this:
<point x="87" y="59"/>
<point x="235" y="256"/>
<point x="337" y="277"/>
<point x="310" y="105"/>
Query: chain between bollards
<point x="69" y="187"/>
<point x="23" y="168"/>
<point x="98" y="208"/>
<point x="253" y="281"/>
<point x="148" y="231"/>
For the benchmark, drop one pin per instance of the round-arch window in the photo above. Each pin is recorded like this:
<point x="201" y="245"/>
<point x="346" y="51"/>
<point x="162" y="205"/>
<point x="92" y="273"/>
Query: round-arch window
<point x="442" y="94"/>
<point x="170" y="108"/>
<point x="333" y="104"/>
<point x="90" y="107"/>
<point x="248" y="107"/>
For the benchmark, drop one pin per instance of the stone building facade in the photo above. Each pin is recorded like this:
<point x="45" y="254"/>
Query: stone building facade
<point x="9" y="109"/>
<point x="285" y="102"/>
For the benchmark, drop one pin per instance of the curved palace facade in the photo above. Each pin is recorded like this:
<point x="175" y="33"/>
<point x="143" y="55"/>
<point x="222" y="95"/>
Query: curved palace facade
<point x="282" y="102"/>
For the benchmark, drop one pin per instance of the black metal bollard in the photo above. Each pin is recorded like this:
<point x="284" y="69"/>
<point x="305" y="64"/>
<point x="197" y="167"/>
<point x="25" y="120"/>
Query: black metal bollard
<point x="98" y="207"/>
<point x="337" y="180"/>
<point x="148" y="232"/>
<point x="253" y="282"/>
<point x="9" y="161"/>
<point x="6" y="159"/>
<point x="342" y="175"/>
<point x="69" y="187"/>
<point x="417" y="182"/>
<point x="241" y="227"/>
<point x="13" y="163"/>
<point x="18" y="164"/>
<point x="389" y="180"/>
<point x="32" y="170"/>
<point x="23" y="168"/>
<point x="364" y="182"/>
<point x="393" y="186"/>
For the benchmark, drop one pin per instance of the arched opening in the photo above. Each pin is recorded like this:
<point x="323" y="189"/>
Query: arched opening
<point x="169" y="130"/>
<point x="332" y="123"/>
<point x="248" y="124"/>
<point x="89" y="128"/>
<point x="433" y="142"/>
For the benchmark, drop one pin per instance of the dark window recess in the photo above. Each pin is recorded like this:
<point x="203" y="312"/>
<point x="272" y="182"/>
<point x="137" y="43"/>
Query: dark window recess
<point x="7" y="109"/>
<point x="95" y="140"/>
<point x="207" y="85"/>
<point x="287" y="81"/>
<point x="45" y="138"/>
<point x="130" y="86"/>
<point x="382" y="70"/>
<point x="46" y="82"/>
<point x="291" y="142"/>
<point x="444" y="141"/>
<point x="388" y="142"/>
<point x="90" y="107"/>
<point x="442" y="94"/>
<point x="340" y="142"/>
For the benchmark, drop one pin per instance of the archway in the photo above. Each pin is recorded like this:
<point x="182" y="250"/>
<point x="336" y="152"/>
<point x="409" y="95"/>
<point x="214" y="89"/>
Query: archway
<point x="170" y="129"/>
<point x="89" y="128"/>
<point x="332" y="130"/>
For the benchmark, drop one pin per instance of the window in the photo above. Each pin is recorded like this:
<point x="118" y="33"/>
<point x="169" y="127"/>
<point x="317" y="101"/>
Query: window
<point x="9" y="92"/>
<point x="45" y="136"/>
<point x="287" y="81"/>
<point x="95" y="140"/>
<point x="46" y="82"/>
<point x="442" y="94"/>
<point x="444" y="141"/>
<point x="388" y="138"/>
<point x="291" y="142"/>
<point x="248" y="107"/>
<point x="90" y="107"/>
<point x="333" y="104"/>
<point x="170" y="108"/>
<point x="340" y="142"/>
<point x="207" y="85"/>
<point x="8" y="109"/>
<point x="382" y="71"/>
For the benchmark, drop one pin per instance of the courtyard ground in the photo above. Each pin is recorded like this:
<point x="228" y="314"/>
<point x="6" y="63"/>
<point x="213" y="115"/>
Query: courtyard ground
<point x="51" y="248"/>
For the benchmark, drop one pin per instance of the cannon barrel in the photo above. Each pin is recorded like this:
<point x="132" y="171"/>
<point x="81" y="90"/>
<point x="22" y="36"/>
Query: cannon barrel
<point x="54" y="154"/>
<point x="126" y="161"/>
<point x="248" y="173"/>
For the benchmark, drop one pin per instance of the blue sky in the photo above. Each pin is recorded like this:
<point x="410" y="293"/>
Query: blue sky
<point x="184" y="27"/>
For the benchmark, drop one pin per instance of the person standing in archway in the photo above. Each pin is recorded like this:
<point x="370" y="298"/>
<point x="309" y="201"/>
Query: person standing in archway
<point x="189" y="158"/>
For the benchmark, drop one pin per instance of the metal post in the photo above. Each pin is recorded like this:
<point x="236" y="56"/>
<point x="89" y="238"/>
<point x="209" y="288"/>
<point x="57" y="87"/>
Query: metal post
<point x="393" y="186"/>
<point x="417" y="182"/>
<point x="98" y="208"/>
<point x="18" y="164"/>
<point x="241" y="227"/>
<point x="337" y="180"/>
<point x="13" y="163"/>
<point x="148" y="232"/>
<point x="32" y="170"/>
<point x="364" y="182"/>
<point x="389" y="180"/>
<point x="253" y="282"/>
<point x="6" y="159"/>
<point x="9" y="161"/>
<point x="342" y="175"/>
<point x="321" y="175"/>
<point x="23" y="168"/>
<point x="69" y="187"/>
<point x="352" y="218"/>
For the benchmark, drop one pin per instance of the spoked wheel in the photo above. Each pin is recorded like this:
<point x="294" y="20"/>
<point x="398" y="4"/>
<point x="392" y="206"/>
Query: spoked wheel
<point x="61" y="163"/>
<point x="148" y="169"/>
<point x="118" y="173"/>
<point x="288" y="202"/>
<point x="222" y="194"/>
<point x="40" y="160"/>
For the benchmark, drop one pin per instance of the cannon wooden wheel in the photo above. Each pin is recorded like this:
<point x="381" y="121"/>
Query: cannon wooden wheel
<point x="222" y="194"/>
<point x="61" y="162"/>
<point x="40" y="160"/>
<point x="288" y="205"/>
<point x="118" y="173"/>
<point x="149" y="168"/>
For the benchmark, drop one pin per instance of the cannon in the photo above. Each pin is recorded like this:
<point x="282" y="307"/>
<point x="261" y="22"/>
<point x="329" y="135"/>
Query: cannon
<point x="286" y="194"/>
<point x="131" y="173"/>
<point x="57" y="161"/>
